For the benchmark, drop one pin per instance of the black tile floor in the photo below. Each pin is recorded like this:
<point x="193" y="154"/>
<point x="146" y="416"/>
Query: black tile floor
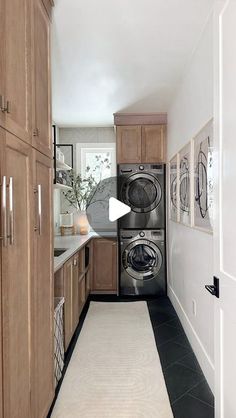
<point x="189" y="393"/>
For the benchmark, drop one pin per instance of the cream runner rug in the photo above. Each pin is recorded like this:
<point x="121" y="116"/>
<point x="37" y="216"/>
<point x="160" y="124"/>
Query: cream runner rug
<point x="115" y="370"/>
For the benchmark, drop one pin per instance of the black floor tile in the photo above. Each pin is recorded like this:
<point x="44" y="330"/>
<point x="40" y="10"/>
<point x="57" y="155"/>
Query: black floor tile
<point x="191" y="362"/>
<point x="165" y="333"/>
<point x="188" y="407"/>
<point x="176" y="323"/>
<point x="203" y="392"/>
<point x="183" y="340"/>
<point x="179" y="380"/>
<point x="171" y="352"/>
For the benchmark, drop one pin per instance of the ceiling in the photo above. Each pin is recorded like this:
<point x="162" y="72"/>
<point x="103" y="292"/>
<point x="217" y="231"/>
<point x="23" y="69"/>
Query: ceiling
<point x="127" y="55"/>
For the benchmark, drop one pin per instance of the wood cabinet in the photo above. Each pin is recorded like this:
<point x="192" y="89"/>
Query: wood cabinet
<point x="42" y="322"/>
<point x="68" y="286"/>
<point x="15" y="67"/>
<point x="16" y="275"/>
<point x="129" y="144"/>
<point x="41" y="94"/>
<point x="75" y="293"/>
<point x="104" y="265"/>
<point x="153" y="144"/>
<point x="26" y="297"/>
<point x="141" y="144"/>
<point x="82" y="292"/>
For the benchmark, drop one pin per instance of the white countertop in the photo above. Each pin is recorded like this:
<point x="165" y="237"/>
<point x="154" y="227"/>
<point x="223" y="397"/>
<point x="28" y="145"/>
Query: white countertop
<point x="73" y="243"/>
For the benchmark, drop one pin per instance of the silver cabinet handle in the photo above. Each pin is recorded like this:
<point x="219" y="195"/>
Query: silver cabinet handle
<point x="11" y="212"/>
<point x="4" y="211"/>
<point x="40" y="208"/>
<point x="38" y="191"/>
<point x="2" y="103"/>
<point x="4" y="106"/>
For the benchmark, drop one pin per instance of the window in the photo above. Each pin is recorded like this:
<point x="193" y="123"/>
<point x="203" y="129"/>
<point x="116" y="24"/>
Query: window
<point x="97" y="159"/>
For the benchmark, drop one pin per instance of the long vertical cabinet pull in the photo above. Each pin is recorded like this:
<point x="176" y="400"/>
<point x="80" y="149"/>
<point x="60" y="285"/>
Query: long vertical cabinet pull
<point x="4" y="211"/>
<point x="38" y="191"/>
<point x="40" y="208"/>
<point x="11" y="212"/>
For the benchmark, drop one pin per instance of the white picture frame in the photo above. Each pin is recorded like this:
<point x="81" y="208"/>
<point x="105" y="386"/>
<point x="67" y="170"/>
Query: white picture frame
<point x="185" y="184"/>
<point x="203" y="178"/>
<point x="174" y="188"/>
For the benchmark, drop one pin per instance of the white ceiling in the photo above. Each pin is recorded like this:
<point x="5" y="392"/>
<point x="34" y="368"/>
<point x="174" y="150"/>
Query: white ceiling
<point x="125" y="55"/>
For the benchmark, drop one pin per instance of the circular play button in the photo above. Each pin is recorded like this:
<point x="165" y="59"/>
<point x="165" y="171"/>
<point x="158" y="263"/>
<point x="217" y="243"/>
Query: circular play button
<point x="104" y="209"/>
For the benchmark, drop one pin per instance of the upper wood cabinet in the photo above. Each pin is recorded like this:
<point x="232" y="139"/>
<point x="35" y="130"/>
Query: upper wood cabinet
<point x="153" y="144"/>
<point x="105" y="265"/>
<point x="15" y="67"/>
<point x="129" y="145"/>
<point x="42" y="315"/>
<point x="16" y="271"/>
<point x="141" y="144"/>
<point x="42" y="135"/>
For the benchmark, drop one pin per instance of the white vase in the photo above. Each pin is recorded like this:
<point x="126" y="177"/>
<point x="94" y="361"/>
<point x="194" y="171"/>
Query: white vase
<point x="83" y="223"/>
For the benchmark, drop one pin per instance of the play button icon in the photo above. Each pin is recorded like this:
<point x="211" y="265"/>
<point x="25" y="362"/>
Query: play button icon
<point x="117" y="209"/>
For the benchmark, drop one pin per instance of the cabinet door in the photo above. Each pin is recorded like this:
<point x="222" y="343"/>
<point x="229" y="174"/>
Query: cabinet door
<point x="16" y="279"/>
<point x="2" y="145"/>
<point x="68" y="286"/>
<point x="42" y="323"/>
<point x="128" y="140"/>
<point x="16" y="56"/>
<point x="88" y="282"/>
<point x="82" y="293"/>
<point x="42" y="125"/>
<point x="75" y="293"/>
<point x="153" y="144"/>
<point x="104" y="271"/>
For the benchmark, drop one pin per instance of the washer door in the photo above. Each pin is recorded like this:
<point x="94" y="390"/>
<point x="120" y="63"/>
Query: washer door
<point x="142" y="260"/>
<point x="142" y="192"/>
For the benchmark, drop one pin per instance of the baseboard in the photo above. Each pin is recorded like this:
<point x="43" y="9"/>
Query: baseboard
<point x="197" y="346"/>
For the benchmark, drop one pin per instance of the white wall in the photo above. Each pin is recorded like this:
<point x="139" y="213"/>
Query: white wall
<point x="190" y="261"/>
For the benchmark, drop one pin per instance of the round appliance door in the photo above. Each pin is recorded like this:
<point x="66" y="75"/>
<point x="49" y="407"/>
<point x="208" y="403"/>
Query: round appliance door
<point x="142" y="260"/>
<point x="142" y="192"/>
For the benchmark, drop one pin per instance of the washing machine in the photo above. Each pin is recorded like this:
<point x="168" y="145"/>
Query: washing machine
<point x="142" y="187"/>
<point x="142" y="262"/>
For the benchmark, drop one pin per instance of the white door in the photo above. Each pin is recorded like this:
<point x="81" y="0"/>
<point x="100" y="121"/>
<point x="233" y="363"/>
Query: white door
<point x="225" y="214"/>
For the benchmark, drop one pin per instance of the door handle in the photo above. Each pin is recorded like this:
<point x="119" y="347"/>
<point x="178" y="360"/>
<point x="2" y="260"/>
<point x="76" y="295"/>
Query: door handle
<point x="38" y="191"/>
<point x="11" y="212"/>
<point x="214" y="289"/>
<point x="4" y="210"/>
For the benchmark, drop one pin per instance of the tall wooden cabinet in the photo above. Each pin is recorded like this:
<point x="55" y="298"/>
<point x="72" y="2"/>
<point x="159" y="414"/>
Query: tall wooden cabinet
<point x="41" y="92"/>
<point x="26" y="297"/>
<point x="141" y="144"/>
<point x="16" y="261"/>
<point x="15" y="66"/>
<point x="42" y="283"/>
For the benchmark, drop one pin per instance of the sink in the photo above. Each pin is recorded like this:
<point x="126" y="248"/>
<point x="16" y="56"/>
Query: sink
<point x="59" y="251"/>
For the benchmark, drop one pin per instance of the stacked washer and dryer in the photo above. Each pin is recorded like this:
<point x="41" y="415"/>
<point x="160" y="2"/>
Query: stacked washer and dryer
<point x="142" y="258"/>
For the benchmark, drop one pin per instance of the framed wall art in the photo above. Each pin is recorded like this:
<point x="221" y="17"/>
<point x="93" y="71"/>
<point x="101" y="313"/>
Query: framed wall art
<point x="203" y="178"/>
<point x="185" y="170"/>
<point x="174" y="190"/>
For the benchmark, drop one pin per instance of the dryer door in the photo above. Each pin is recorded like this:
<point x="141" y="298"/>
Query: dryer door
<point x="142" y="260"/>
<point x="142" y="192"/>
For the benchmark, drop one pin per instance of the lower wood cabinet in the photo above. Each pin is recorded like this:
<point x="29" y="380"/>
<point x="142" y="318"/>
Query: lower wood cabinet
<point x="16" y="285"/>
<point x="104" y="265"/>
<point x="42" y="391"/>
<point x="26" y="329"/>
<point x="75" y="293"/>
<point x="68" y="286"/>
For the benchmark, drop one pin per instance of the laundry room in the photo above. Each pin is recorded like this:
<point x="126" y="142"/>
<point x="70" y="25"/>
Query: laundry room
<point x="117" y="260"/>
